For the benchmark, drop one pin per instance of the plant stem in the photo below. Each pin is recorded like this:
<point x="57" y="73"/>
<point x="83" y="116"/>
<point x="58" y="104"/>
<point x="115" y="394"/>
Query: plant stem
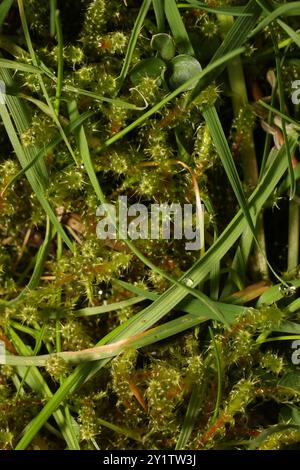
<point x="293" y="243"/>
<point x="60" y="62"/>
<point x="248" y="156"/>
<point x="53" y="7"/>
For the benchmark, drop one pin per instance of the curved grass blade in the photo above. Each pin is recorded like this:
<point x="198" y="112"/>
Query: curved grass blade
<point x="120" y="430"/>
<point x="192" y="412"/>
<point x="37" y="347"/>
<point x="101" y="309"/>
<point x="111" y="350"/>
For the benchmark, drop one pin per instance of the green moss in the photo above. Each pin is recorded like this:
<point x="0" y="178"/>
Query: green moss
<point x="145" y="393"/>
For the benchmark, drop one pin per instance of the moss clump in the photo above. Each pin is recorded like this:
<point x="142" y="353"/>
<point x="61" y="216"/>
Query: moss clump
<point x="116" y="127"/>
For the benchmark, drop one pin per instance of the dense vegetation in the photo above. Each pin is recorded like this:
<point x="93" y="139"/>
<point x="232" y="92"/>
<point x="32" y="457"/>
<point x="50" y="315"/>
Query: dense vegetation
<point x="164" y="102"/>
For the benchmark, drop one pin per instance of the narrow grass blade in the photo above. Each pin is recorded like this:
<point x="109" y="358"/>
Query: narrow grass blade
<point x="219" y="373"/>
<point x="97" y="353"/>
<point x="37" y="347"/>
<point x="4" y="10"/>
<point x="14" y="65"/>
<point x="101" y="309"/>
<point x="158" y="6"/>
<point x="104" y="99"/>
<point x="178" y="29"/>
<point x="60" y="61"/>
<point x="192" y="412"/>
<point x="53" y="9"/>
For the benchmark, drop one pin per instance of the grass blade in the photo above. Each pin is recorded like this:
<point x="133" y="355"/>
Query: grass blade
<point x="60" y="61"/>
<point x="178" y="29"/>
<point x="4" y="10"/>
<point x="292" y="8"/>
<point x="158" y="6"/>
<point x="230" y="11"/>
<point x="39" y="265"/>
<point x="207" y="71"/>
<point x="133" y="40"/>
<point x="235" y="38"/>
<point x="11" y="64"/>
